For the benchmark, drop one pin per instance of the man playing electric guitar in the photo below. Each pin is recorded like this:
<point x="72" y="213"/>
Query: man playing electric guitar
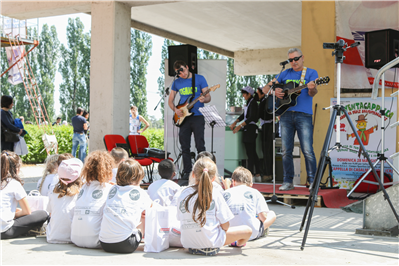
<point x="297" y="118"/>
<point x="194" y="123"/>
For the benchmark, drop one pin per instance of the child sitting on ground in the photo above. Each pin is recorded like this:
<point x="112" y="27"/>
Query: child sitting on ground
<point x="86" y="223"/>
<point x="62" y="201"/>
<point x="205" y="216"/>
<point x="15" y="221"/>
<point x="50" y="177"/>
<point x="124" y="213"/>
<point x="246" y="203"/>
<point x="119" y="154"/>
<point x="164" y="189"/>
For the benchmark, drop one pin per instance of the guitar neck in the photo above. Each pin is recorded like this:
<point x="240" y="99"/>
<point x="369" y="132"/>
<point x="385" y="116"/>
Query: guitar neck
<point x="196" y="100"/>
<point x="296" y="89"/>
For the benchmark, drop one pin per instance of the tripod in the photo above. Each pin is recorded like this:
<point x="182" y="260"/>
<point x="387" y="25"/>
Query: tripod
<point x="339" y="47"/>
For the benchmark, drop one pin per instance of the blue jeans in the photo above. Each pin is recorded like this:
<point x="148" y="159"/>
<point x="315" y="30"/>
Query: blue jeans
<point x="292" y="122"/>
<point x="79" y="139"/>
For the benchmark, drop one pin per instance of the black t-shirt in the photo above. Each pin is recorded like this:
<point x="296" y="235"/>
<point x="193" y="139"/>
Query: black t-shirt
<point x="77" y="122"/>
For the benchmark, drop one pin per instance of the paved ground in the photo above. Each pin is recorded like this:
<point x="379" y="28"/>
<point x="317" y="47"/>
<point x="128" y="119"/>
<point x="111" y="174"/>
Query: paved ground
<point x="331" y="241"/>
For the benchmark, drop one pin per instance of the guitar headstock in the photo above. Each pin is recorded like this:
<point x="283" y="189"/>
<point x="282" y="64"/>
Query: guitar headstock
<point x="213" y="88"/>
<point x="323" y="80"/>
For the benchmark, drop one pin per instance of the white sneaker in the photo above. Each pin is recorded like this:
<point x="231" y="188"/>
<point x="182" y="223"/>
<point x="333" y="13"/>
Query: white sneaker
<point x="286" y="186"/>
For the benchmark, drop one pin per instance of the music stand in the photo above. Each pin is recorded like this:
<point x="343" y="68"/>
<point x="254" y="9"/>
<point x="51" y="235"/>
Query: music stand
<point x="213" y="119"/>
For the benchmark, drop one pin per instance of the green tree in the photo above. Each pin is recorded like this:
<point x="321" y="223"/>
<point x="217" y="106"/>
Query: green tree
<point x="47" y="56"/>
<point x="161" y="79"/>
<point x="140" y="52"/>
<point x="75" y="77"/>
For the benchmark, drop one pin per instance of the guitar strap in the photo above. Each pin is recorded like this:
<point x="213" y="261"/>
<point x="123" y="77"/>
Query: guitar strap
<point x="303" y="76"/>
<point x="193" y="84"/>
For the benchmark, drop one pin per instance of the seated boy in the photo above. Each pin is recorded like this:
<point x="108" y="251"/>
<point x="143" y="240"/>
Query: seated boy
<point x="119" y="154"/>
<point x="164" y="189"/>
<point x="246" y="203"/>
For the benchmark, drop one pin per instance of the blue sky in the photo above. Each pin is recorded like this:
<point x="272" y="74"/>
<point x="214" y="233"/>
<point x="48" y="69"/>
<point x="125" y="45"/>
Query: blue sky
<point x="61" y="22"/>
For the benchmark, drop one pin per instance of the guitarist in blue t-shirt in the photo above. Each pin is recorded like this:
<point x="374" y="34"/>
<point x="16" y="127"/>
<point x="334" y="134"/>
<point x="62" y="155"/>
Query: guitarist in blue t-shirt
<point x="297" y="118"/>
<point x="194" y="124"/>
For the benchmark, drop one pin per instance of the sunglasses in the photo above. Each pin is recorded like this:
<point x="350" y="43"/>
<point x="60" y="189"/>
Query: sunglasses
<point x="179" y="70"/>
<point x="294" y="59"/>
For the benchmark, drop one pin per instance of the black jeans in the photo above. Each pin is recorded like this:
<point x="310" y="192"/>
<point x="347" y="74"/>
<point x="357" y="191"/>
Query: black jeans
<point x="128" y="245"/>
<point x="249" y="139"/>
<point x="196" y="125"/>
<point x="25" y="223"/>
<point x="267" y="148"/>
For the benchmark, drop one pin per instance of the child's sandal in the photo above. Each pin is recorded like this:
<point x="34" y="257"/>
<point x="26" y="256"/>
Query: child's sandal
<point x="234" y="244"/>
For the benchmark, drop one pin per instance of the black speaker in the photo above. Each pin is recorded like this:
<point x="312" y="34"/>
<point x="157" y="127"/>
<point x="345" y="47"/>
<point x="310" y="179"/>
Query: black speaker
<point x="187" y="53"/>
<point x="382" y="46"/>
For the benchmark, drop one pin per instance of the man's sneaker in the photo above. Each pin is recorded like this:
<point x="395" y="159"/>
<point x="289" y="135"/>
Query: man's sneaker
<point x="256" y="179"/>
<point x="286" y="186"/>
<point x="204" y="251"/>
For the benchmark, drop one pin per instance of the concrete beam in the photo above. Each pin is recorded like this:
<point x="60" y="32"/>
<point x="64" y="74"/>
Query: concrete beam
<point x="110" y="70"/>
<point x="259" y="62"/>
<point x="38" y="9"/>
<point x="178" y="38"/>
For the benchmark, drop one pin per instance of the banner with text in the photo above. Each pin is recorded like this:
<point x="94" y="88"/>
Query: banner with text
<point x="348" y="164"/>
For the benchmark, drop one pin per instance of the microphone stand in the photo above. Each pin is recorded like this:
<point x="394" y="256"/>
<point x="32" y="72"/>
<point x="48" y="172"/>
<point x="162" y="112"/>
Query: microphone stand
<point x="166" y="93"/>
<point x="274" y="199"/>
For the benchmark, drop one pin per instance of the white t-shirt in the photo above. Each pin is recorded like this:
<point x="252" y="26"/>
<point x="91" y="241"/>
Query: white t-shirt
<point x="122" y="213"/>
<point x="245" y="203"/>
<point x="88" y="214"/>
<point x="218" y="187"/>
<point x="61" y="209"/>
<point x="51" y="180"/>
<point x="114" y="172"/>
<point x="211" y="235"/>
<point x="10" y="195"/>
<point x="163" y="190"/>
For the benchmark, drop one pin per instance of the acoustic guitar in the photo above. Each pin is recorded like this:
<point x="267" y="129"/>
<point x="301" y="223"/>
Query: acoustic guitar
<point x="290" y="94"/>
<point x="187" y="105"/>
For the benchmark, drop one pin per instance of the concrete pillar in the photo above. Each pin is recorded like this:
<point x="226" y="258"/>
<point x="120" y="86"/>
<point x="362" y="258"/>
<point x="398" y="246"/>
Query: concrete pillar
<point x="318" y="26"/>
<point x="110" y="67"/>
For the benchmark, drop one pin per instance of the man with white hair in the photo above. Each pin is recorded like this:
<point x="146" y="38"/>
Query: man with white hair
<point x="297" y="118"/>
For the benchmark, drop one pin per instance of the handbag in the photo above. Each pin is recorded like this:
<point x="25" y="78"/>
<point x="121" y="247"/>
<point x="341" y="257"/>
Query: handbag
<point x="37" y="201"/>
<point x="156" y="228"/>
<point x="9" y="136"/>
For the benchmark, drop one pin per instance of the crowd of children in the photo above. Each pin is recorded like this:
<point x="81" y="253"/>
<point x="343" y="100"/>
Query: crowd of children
<point x="101" y="205"/>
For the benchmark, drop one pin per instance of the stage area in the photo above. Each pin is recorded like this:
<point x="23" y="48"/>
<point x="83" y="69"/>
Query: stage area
<point x="331" y="198"/>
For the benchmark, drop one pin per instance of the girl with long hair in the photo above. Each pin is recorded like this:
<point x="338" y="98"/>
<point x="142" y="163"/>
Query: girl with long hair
<point x="62" y="201"/>
<point x="86" y="223"/>
<point x="205" y="216"/>
<point x="15" y="221"/>
<point x="50" y="177"/>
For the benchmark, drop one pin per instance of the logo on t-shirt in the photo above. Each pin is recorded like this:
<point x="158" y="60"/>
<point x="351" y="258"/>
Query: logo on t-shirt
<point x="182" y="206"/>
<point x="112" y="193"/>
<point x="134" y="194"/>
<point x="248" y="195"/>
<point x="97" y="194"/>
<point x="226" y="196"/>
<point x="212" y="206"/>
<point x="80" y="193"/>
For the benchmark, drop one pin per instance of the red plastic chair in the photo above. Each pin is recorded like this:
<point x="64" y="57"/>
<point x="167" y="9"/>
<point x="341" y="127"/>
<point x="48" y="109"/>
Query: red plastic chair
<point x="140" y="142"/>
<point x="140" y="156"/>
<point x="110" y="142"/>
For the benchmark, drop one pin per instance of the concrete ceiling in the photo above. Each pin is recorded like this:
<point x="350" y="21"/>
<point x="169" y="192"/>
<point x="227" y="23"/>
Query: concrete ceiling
<point x="229" y="26"/>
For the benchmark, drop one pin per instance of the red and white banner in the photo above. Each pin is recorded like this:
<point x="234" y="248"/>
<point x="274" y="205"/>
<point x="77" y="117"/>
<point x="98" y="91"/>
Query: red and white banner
<point x="353" y="20"/>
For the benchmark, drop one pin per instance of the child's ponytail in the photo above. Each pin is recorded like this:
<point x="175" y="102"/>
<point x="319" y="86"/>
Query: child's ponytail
<point x="10" y="165"/>
<point x="51" y="165"/>
<point x="204" y="170"/>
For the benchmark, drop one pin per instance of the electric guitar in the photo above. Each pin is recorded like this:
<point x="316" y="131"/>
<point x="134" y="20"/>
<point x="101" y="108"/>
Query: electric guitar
<point x="187" y="105"/>
<point x="290" y="94"/>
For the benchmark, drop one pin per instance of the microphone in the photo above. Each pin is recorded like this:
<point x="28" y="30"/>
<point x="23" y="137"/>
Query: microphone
<point x="355" y="44"/>
<point x="284" y="62"/>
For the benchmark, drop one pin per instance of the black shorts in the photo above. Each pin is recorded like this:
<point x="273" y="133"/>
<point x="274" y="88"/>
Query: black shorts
<point x="128" y="245"/>
<point x="261" y="231"/>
